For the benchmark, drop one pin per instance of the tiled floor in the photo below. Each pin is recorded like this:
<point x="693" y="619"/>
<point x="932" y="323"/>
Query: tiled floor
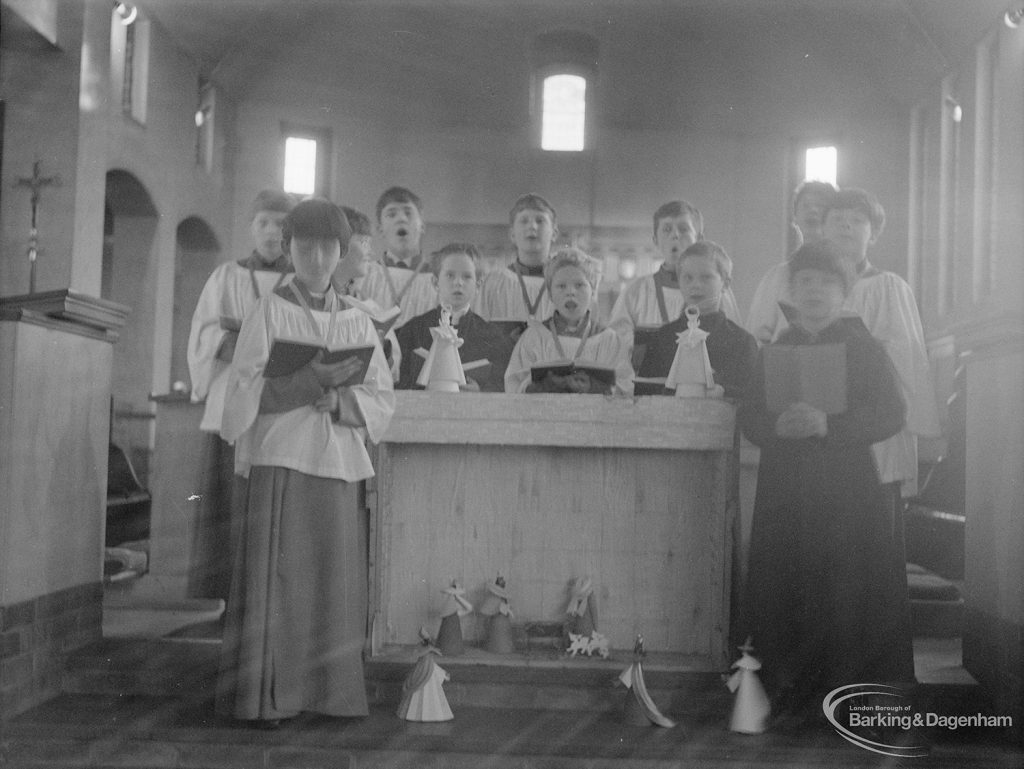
<point x="180" y="729"/>
<point x="156" y="732"/>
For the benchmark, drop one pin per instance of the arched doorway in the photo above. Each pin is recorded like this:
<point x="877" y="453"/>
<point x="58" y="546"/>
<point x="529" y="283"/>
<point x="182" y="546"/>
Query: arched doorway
<point x="128" y="278"/>
<point x="196" y="255"/>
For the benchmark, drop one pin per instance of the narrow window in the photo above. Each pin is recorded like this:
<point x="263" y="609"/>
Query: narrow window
<point x="821" y="164"/>
<point x="564" y="106"/>
<point x="306" y="156"/>
<point x="299" y="165"/>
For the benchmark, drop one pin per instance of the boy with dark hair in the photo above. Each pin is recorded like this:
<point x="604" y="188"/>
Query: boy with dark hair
<point x="347" y="278"/>
<point x="826" y="595"/>
<point x="766" y="317"/>
<point x="399" y="280"/>
<point x="230" y="292"/>
<point x="853" y="221"/>
<point x="456" y="276"/>
<point x="296" y="622"/>
<point x="517" y="293"/>
<point x="651" y="301"/>
<point x="705" y="272"/>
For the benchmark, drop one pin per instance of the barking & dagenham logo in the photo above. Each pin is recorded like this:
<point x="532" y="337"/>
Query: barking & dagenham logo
<point x="882" y="719"/>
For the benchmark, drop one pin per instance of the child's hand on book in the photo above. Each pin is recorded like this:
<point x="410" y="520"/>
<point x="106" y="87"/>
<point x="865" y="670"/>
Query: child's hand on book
<point x="578" y="382"/>
<point x="334" y="374"/>
<point x="801" y="421"/>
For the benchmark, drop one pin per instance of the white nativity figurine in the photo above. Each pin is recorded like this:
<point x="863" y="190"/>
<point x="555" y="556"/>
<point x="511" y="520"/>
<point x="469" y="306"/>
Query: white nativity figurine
<point x="578" y="644"/>
<point x="598" y="644"/>
<point x="691" y="375"/>
<point x="442" y="371"/>
<point x="639" y="708"/>
<point x="750" y="709"/>
<point x="499" y="618"/>
<point x="423" y="697"/>
<point x="449" y="637"/>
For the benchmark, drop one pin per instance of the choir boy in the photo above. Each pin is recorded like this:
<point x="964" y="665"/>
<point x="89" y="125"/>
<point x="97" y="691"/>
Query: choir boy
<point x="456" y="276"/>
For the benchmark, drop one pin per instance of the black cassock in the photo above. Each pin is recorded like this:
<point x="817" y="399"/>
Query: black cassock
<point x="481" y="340"/>
<point x="732" y="353"/>
<point x="826" y="595"/>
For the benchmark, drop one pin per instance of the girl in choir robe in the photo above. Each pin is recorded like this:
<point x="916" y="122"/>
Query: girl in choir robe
<point x="230" y="292"/>
<point x="296" y="617"/>
<point x="570" y="338"/>
<point x="826" y="596"/>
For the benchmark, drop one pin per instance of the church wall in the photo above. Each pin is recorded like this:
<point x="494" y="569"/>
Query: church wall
<point x="60" y="109"/>
<point x="970" y="209"/>
<point x="469" y="175"/>
<point x="39" y="81"/>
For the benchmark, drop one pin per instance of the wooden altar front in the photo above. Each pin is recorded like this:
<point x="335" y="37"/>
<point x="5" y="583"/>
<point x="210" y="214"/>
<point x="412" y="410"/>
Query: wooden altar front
<point x="640" y="495"/>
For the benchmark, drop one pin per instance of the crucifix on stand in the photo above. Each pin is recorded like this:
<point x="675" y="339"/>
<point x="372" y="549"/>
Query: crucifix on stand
<point x="35" y="183"/>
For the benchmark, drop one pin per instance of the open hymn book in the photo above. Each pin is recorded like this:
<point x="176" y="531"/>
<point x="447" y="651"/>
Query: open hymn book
<point x="289" y="355"/>
<point x="565" y="367"/>
<point x="814" y="374"/>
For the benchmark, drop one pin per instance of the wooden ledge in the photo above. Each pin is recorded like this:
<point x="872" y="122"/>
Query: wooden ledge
<point x="585" y="421"/>
<point x="67" y="310"/>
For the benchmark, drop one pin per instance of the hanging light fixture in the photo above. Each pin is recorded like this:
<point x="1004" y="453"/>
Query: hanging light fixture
<point x="126" y="12"/>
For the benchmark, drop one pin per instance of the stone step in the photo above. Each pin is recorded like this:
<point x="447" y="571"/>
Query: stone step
<point x="168" y="667"/>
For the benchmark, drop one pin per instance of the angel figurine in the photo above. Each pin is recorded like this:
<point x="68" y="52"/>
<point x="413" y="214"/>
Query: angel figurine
<point x="691" y="374"/>
<point x="423" y="697"/>
<point x="449" y="637"/>
<point x="499" y="613"/>
<point x="442" y="371"/>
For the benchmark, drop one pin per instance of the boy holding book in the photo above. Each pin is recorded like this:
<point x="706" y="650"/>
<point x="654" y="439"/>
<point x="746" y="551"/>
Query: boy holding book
<point x="296" y="617"/>
<point x="352" y="268"/>
<point x="456" y="276"/>
<point x="570" y="352"/>
<point x="651" y="301"/>
<point x="704" y="274"/>
<point x="518" y="293"/>
<point x="230" y="292"/>
<point x="399" y="279"/>
<point x="826" y="596"/>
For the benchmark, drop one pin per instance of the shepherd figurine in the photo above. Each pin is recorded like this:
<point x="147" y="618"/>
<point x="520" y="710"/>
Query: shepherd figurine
<point x="442" y="371"/>
<point x="639" y="709"/>
<point x="499" y="613"/>
<point x="691" y="374"/>
<point x="449" y="637"/>
<point x="581" y="609"/>
<point x="750" y="709"/>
